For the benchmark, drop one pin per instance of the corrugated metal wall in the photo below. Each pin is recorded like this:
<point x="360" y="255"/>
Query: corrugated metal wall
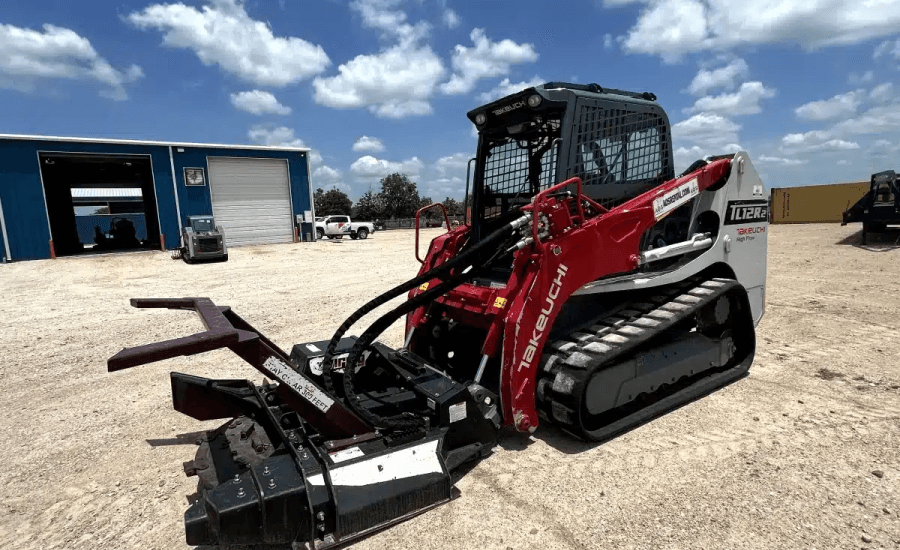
<point x="196" y="201"/>
<point x="815" y="203"/>
<point x="23" y="198"/>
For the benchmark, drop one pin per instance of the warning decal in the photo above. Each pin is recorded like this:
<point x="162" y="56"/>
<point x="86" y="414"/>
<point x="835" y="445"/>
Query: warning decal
<point x="299" y="383"/>
<point x="676" y="197"/>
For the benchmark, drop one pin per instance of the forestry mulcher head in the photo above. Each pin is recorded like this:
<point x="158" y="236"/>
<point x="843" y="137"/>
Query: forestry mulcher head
<point x="594" y="304"/>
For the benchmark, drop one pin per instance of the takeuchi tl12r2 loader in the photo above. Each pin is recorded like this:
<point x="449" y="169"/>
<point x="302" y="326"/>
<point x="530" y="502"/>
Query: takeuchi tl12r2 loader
<point x="592" y="290"/>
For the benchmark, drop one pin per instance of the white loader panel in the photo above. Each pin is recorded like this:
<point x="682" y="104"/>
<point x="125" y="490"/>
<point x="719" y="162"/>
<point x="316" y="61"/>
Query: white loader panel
<point x="251" y="200"/>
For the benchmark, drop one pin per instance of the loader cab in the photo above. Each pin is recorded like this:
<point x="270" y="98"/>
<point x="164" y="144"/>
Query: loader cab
<point x="885" y="190"/>
<point x="202" y="224"/>
<point x="618" y="143"/>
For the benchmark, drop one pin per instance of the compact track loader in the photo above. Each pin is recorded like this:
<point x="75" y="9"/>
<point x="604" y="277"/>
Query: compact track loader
<point x="592" y="289"/>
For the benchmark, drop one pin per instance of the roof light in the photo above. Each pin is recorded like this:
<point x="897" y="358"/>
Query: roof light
<point x="534" y="100"/>
<point x="480" y="119"/>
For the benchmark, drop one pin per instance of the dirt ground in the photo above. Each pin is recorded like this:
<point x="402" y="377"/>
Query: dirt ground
<point x="803" y="453"/>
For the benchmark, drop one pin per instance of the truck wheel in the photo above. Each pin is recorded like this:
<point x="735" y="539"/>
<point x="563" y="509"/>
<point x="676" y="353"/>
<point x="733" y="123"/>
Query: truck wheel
<point x="320" y="234"/>
<point x="353" y="236"/>
<point x="362" y="233"/>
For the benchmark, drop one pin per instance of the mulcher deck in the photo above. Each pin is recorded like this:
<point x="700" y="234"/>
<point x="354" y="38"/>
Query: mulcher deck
<point x="569" y="364"/>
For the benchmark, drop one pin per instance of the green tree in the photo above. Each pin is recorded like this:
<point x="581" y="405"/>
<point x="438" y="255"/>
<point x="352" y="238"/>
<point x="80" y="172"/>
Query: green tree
<point x="331" y="202"/>
<point x="453" y="206"/>
<point x="369" y="207"/>
<point x="399" y="196"/>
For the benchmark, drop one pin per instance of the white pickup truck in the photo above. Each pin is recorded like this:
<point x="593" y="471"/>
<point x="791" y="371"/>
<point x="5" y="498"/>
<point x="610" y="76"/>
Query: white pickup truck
<point x="335" y="227"/>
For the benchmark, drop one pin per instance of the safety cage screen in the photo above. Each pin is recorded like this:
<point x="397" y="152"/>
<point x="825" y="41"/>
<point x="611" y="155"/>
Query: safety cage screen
<point x="620" y="146"/>
<point x="506" y="169"/>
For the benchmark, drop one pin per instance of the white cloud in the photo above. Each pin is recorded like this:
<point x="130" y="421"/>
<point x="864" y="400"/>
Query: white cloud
<point x="857" y="79"/>
<point x="224" y="34"/>
<point x="888" y="47"/>
<point x="281" y="136"/>
<point x="723" y="77"/>
<point x="484" y="60"/>
<point x="393" y="84"/>
<point x="258" y="103"/>
<point x="397" y="82"/>
<point x="877" y="120"/>
<point x="30" y="56"/>
<point x="457" y="162"/>
<point x="371" y="167"/>
<point x="743" y="102"/>
<point x="505" y="88"/>
<point x="882" y="93"/>
<point x="839" y="106"/>
<point x="708" y="130"/>
<point x="326" y="174"/>
<point x="672" y="28"/>
<point x="393" y="24"/>
<point x="607" y="42"/>
<point x="843" y="162"/>
<point x="779" y="160"/>
<point x="451" y="19"/>
<point x="439" y="188"/>
<point x="815" y="141"/>
<point x="368" y="144"/>
<point x="883" y="146"/>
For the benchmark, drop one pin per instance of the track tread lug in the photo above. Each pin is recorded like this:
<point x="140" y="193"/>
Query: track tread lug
<point x="548" y="360"/>
<point x="661" y="314"/>
<point x="614" y="339"/>
<point x="687" y="299"/>
<point x="564" y="346"/>
<point x="631" y="330"/>
<point x="600" y="330"/>
<point x="598" y="348"/>
<point x="562" y="413"/>
<point x="629" y="313"/>
<point x="646" y="322"/>
<point x="578" y="360"/>
<point x="563" y="383"/>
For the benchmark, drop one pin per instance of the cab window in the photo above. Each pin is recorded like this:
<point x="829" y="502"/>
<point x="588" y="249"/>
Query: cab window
<point x="884" y="193"/>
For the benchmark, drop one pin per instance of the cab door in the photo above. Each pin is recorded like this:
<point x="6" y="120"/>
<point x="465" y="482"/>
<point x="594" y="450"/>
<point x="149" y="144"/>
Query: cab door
<point x="338" y="225"/>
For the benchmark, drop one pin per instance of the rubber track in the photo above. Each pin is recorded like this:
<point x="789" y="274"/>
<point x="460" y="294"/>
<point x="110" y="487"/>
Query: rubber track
<point x="569" y="363"/>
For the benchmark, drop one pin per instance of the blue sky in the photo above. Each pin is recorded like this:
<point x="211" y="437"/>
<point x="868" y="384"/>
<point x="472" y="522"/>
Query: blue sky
<point x="809" y="88"/>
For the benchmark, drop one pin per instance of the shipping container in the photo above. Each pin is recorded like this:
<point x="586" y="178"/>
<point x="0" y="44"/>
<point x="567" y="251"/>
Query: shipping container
<point x="815" y="203"/>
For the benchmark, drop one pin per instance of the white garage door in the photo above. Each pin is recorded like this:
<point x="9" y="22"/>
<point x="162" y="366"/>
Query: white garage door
<point x="251" y="200"/>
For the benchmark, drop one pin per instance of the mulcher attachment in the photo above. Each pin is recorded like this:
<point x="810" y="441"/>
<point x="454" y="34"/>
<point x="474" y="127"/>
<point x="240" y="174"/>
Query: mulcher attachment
<point x="294" y="464"/>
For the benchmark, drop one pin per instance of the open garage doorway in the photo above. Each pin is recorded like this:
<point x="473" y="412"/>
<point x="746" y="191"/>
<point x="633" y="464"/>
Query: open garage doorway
<point x="100" y="203"/>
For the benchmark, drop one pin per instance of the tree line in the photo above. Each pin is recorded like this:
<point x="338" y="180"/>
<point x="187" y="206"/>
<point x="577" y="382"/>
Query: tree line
<point x="397" y="198"/>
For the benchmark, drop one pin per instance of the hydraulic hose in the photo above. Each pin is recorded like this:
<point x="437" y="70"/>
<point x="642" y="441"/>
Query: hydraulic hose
<point x="380" y="325"/>
<point x="499" y="236"/>
<point x="463" y="260"/>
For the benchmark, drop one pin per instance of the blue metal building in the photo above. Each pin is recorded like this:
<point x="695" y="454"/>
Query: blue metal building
<point x="49" y="192"/>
